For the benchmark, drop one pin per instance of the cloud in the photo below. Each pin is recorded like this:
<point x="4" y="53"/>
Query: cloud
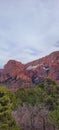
<point x="28" y="29"/>
<point x="57" y="44"/>
<point x="32" y="51"/>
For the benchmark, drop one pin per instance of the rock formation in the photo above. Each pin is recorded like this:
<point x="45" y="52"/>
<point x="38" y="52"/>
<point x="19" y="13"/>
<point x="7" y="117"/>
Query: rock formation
<point x="16" y="74"/>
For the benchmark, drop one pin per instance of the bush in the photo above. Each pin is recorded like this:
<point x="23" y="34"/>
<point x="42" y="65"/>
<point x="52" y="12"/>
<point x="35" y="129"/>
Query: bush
<point x="54" y="117"/>
<point x="6" y="104"/>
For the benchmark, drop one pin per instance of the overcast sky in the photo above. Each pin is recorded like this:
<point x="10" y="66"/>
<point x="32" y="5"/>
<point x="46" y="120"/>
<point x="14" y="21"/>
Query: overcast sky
<point x="29" y="29"/>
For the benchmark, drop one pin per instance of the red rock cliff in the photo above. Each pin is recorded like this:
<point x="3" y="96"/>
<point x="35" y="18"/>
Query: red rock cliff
<point x="16" y="74"/>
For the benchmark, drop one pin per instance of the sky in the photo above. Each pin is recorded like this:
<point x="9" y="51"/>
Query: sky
<point x="29" y="29"/>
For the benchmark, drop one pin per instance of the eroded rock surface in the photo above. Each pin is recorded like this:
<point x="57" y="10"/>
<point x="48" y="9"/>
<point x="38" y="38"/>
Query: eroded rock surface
<point x="15" y="74"/>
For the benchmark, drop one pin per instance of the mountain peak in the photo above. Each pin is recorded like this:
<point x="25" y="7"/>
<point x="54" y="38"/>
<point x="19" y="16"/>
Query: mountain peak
<point x="15" y="74"/>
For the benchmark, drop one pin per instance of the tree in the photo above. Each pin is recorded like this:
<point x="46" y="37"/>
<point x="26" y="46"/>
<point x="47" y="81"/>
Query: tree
<point x="6" y="103"/>
<point x="54" y="118"/>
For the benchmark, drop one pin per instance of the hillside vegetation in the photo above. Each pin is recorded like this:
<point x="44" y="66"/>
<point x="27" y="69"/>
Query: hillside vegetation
<point x="43" y="96"/>
<point x="6" y="104"/>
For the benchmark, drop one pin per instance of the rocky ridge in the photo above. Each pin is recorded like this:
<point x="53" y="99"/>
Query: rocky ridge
<point x="17" y="75"/>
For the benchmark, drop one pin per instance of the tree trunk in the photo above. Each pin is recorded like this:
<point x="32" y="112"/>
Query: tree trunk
<point x="53" y="127"/>
<point x="43" y="124"/>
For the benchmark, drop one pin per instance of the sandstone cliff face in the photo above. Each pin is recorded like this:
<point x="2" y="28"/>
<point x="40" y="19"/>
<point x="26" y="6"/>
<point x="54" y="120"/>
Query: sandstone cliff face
<point x="16" y="74"/>
<point x="45" y="67"/>
<point x="13" y="75"/>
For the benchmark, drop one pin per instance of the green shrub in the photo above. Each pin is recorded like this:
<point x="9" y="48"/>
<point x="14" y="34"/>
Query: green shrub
<point x="6" y="104"/>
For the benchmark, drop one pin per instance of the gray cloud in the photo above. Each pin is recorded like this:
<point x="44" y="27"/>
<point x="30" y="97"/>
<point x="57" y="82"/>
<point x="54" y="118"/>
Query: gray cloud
<point x="29" y="29"/>
<point x="33" y="51"/>
<point x="57" y="44"/>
